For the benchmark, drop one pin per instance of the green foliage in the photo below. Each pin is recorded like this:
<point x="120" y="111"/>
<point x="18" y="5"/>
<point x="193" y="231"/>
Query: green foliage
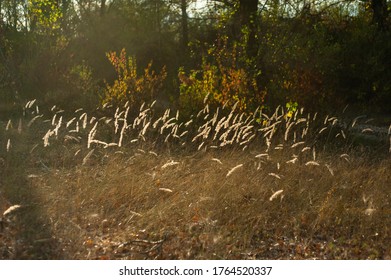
<point x="291" y="108"/>
<point x="46" y="15"/>
<point x="196" y="88"/>
<point x="81" y="77"/>
<point x="129" y="86"/>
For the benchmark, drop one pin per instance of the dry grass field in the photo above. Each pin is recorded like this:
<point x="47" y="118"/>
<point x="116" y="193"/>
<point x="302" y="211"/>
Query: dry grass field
<point x="220" y="185"/>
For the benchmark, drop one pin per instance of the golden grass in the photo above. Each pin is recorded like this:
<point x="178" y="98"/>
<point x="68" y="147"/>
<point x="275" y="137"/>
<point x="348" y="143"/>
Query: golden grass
<point x="207" y="215"/>
<point x="283" y="194"/>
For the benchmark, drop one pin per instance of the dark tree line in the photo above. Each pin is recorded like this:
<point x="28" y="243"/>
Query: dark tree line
<point x="316" y="53"/>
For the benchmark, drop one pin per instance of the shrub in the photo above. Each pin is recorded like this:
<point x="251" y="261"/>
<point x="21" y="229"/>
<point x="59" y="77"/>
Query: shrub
<point x="226" y="78"/>
<point x="129" y="86"/>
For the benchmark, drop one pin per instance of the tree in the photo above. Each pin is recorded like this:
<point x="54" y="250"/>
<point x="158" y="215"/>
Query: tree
<point x="248" y="17"/>
<point x="245" y="19"/>
<point x="185" y="27"/>
<point x="380" y="14"/>
<point x="102" y="7"/>
<point x="45" y="15"/>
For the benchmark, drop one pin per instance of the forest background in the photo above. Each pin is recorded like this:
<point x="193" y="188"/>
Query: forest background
<point x="321" y="55"/>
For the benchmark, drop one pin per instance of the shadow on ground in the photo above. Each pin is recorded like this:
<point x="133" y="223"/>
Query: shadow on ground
<point x="26" y="233"/>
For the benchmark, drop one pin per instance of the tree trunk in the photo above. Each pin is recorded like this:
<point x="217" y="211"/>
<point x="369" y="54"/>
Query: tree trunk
<point x="102" y="7"/>
<point x="64" y="19"/>
<point x="185" y="27"/>
<point x="380" y="14"/>
<point x="15" y="15"/>
<point x="247" y="15"/>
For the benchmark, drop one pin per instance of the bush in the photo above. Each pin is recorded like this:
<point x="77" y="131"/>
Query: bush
<point x="225" y="78"/>
<point x="129" y="87"/>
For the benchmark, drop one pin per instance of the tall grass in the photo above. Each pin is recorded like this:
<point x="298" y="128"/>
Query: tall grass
<point x="223" y="184"/>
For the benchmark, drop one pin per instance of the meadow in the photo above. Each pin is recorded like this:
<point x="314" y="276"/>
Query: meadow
<point x="149" y="183"/>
